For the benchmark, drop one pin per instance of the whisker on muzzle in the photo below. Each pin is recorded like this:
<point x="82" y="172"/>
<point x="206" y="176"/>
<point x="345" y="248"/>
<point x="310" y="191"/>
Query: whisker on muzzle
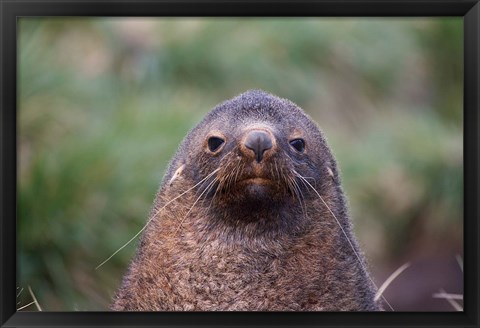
<point x="307" y="184"/>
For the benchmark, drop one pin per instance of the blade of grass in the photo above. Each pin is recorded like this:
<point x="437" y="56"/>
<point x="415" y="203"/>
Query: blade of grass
<point x="34" y="299"/>
<point x="389" y="280"/>
<point x="25" y="306"/>
<point x="448" y="296"/>
<point x="459" y="261"/>
<point x="452" y="302"/>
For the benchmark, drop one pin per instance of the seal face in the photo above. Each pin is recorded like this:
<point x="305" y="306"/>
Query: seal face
<point x="250" y="216"/>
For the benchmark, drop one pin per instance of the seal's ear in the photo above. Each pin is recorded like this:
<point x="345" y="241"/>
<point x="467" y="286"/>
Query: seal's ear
<point x="330" y="173"/>
<point x="177" y="173"/>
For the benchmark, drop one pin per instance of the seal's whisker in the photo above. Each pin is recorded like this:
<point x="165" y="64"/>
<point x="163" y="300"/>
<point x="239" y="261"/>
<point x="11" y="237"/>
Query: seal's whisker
<point x="206" y="184"/>
<point x="301" y="197"/>
<point x="154" y="216"/>
<point x="208" y="191"/>
<point x="191" y="208"/>
<point x="217" y="170"/>
<point x="344" y="233"/>
<point x="298" y="193"/>
<point x="238" y="171"/>
<point x="213" y="197"/>
<point x="221" y="184"/>
<point x="229" y="178"/>
<point x="294" y="181"/>
<point x="238" y="168"/>
<point x="292" y="189"/>
<point x="276" y="169"/>
<point x="216" y="191"/>
<point x="310" y="178"/>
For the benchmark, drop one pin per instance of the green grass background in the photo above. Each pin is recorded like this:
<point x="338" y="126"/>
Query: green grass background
<point x="103" y="104"/>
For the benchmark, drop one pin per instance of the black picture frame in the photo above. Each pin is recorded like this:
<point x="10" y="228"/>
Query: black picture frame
<point x="11" y="10"/>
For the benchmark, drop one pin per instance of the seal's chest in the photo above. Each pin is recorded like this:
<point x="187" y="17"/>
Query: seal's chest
<point x="244" y="281"/>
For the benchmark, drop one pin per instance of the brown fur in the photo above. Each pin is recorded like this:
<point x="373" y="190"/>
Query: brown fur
<point x="246" y="246"/>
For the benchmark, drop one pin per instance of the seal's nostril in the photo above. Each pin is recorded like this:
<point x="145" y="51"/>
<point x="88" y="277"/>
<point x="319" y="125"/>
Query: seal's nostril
<point x="259" y="142"/>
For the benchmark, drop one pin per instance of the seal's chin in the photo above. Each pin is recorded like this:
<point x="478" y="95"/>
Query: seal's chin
<point x="257" y="188"/>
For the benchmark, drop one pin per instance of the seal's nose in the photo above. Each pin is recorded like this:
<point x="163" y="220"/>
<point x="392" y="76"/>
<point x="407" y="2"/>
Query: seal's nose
<point x="258" y="141"/>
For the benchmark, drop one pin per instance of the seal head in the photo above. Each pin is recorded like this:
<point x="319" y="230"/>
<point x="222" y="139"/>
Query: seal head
<point x="260" y="145"/>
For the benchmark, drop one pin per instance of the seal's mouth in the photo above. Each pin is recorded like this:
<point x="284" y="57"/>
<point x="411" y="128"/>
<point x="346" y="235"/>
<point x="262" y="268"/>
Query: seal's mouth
<point x="247" y="180"/>
<point x="256" y="181"/>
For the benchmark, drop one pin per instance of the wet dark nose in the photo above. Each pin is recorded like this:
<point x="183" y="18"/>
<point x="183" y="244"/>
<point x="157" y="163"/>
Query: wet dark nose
<point x="259" y="142"/>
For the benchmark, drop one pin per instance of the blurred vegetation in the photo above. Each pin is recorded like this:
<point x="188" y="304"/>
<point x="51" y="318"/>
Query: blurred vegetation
<point x="103" y="104"/>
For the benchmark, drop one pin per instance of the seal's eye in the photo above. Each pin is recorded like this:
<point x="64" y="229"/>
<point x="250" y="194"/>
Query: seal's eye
<point x="214" y="143"/>
<point x="298" y="144"/>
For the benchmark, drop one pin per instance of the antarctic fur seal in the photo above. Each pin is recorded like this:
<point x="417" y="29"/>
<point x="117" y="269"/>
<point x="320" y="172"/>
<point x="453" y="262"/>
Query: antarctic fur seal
<point x="250" y="216"/>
